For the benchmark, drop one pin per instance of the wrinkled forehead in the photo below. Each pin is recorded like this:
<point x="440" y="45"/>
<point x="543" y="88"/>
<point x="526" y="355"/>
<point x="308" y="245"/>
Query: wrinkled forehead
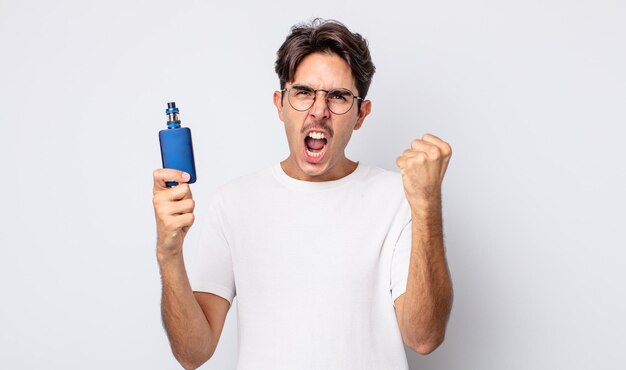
<point x="324" y="71"/>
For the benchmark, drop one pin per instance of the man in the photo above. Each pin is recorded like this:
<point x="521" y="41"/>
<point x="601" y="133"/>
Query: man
<point x="334" y="265"/>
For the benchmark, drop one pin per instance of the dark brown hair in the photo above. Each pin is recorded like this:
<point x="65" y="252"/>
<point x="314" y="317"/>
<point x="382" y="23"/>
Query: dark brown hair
<point x="325" y="36"/>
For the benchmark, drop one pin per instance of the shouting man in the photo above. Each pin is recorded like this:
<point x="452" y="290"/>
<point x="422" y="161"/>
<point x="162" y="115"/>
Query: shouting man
<point x="335" y="264"/>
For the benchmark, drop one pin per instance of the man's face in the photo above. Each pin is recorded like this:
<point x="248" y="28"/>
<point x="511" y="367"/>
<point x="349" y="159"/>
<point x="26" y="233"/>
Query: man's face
<point x="308" y="159"/>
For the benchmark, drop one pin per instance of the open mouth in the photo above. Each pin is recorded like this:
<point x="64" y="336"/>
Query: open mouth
<point x="315" y="146"/>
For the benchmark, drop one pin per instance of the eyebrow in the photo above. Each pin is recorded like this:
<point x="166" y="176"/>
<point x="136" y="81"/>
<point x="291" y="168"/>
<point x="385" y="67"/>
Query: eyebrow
<point x="301" y="87"/>
<point x="305" y="87"/>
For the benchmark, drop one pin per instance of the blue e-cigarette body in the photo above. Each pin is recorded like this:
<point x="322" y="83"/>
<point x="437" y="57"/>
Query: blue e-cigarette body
<point x="176" y="145"/>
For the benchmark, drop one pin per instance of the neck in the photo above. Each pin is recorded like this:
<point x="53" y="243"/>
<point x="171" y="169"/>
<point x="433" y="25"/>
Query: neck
<point x="330" y="172"/>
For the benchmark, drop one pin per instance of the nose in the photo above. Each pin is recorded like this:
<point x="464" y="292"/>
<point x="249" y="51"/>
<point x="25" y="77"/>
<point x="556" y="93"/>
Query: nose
<point x="319" y="109"/>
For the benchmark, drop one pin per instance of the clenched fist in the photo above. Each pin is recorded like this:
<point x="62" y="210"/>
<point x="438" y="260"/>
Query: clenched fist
<point x="173" y="210"/>
<point x="423" y="167"/>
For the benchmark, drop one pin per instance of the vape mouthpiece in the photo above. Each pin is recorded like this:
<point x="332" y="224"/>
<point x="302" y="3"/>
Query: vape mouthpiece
<point x="171" y="105"/>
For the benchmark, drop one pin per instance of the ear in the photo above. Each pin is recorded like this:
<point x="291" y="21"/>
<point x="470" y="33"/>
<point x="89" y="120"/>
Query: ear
<point x="366" y="108"/>
<point x="278" y="103"/>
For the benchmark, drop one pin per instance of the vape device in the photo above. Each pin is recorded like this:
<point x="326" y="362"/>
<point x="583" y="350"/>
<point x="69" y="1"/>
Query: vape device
<point x="176" y="147"/>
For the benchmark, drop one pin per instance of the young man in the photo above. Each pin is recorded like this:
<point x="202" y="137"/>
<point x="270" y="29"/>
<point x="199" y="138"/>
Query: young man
<point x="335" y="264"/>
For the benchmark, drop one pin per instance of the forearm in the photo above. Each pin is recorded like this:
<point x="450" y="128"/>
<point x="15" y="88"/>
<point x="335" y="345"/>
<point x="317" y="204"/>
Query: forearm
<point x="428" y="297"/>
<point x="187" y="327"/>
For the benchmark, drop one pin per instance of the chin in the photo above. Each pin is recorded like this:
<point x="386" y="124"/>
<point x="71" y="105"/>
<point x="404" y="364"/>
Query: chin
<point x="313" y="169"/>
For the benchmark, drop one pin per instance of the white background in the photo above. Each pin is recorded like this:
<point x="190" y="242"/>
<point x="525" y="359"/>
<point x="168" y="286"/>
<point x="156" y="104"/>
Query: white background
<point x="530" y="94"/>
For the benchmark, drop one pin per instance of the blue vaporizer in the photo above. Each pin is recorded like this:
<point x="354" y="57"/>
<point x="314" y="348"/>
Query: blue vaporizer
<point x="176" y="147"/>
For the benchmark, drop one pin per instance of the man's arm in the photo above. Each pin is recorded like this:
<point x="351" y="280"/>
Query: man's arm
<point x="424" y="308"/>
<point x="193" y="323"/>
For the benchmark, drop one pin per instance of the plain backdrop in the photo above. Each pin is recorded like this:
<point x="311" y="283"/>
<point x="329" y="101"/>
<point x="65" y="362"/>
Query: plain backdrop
<point x="530" y="95"/>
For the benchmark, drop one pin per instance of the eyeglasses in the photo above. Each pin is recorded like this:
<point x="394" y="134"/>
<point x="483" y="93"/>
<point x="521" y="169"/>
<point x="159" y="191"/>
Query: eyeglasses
<point x="338" y="101"/>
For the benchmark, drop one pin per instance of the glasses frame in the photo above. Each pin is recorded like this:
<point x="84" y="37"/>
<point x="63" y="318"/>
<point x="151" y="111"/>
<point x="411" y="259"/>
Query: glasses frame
<point x="305" y="87"/>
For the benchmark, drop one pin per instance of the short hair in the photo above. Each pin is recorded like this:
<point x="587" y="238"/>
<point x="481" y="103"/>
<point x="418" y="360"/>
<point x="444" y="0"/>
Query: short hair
<point x="325" y="36"/>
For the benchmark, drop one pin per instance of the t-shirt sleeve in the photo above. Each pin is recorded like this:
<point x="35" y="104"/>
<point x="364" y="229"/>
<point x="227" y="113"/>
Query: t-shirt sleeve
<point x="401" y="253"/>
<point x="211" y="269"/>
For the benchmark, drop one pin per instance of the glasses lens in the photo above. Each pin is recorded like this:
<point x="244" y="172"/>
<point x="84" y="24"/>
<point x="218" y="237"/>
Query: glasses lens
<point x="340" y="100"/>
<point x="301" y="98"/>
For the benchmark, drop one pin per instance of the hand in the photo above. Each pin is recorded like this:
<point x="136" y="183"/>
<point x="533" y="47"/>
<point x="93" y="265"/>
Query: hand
<point x="423" y="167"/>
<point x="173" y="210"/>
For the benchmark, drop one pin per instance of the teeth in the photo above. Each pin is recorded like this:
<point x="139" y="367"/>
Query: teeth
<point x="317" y="135"/>
<point x="310" y="153"/>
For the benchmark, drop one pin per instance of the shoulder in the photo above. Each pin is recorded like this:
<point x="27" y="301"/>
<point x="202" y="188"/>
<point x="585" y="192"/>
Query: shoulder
<point x="380" y="177"/>
<point x="247" y="184"/>
<point x="386" y="185"/>
<point x="248" y="179"/>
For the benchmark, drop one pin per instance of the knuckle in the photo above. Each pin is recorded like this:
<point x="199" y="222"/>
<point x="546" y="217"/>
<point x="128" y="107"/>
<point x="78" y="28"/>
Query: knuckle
<point x="187" y="205"/>
<point x="448" y="149"/>
<point x="157" y="200"/>
<point x="420" y="158"/>
<point x="187" y="219"/>
<point x="180" y="192"/>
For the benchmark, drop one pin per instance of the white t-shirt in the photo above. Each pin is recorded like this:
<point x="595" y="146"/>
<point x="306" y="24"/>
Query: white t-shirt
<point x="315" y="266"/>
